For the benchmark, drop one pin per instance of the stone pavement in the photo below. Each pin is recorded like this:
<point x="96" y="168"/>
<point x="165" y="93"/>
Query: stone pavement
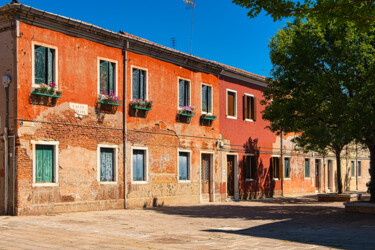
<point x="280" y="223"/>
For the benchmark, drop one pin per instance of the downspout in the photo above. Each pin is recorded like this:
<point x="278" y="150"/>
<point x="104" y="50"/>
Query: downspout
<point x="6" y="149"/>
<point x="124" y="132"/>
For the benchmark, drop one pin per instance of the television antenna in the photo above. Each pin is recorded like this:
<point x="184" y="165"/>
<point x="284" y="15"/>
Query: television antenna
<point x="190" y="4"/>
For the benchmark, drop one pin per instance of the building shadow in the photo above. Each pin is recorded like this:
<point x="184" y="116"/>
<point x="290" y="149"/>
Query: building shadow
<point x="319" y="225"/>
<point x="262" y="185"/>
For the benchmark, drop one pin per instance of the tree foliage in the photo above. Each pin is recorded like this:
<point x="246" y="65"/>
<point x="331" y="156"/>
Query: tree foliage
<point x="362" y="12"/>
<point x="315" y="88"/>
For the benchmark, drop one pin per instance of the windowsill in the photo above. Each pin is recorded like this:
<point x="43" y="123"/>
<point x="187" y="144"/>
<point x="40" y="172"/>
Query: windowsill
<point x="232" y="117"/>
<point x="307" y="177"/>
<point x="275" y="179"/>
<point x="45" y="184"/>
<point x="205" y="113"/>
<point x="249" y="120"/>
<point x="139" y="182"/>
<point x="249" y="180"/>
<point x="184" y="181"/>
<point x="286" y="178"/>
<point x="108" y="182"/>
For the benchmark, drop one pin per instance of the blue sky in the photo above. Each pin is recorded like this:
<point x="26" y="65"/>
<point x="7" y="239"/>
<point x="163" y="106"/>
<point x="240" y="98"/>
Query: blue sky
<point x="222" y="31"/>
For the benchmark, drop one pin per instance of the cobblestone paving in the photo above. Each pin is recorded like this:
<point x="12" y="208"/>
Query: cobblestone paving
<point x="281" y="223"/>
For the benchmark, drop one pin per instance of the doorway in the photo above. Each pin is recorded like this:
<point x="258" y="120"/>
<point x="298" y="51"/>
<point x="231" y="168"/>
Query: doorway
<point x="317" y="175"/>
<point x="230" y="175"/>
<point x="330" y="175"/>
<point x="206" y="176"/>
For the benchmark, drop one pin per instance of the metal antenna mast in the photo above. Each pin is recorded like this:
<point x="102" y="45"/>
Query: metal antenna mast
<point x="191" y="4"/>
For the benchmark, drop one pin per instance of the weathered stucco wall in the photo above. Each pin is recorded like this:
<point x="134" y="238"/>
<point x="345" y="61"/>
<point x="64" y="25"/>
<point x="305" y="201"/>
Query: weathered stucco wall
<point x="161" y="132"/>
<point x="78" y="188"/>
<point x="7" y="63"/>
<point x="247" y="136"/>
<point x="324" y="181"/>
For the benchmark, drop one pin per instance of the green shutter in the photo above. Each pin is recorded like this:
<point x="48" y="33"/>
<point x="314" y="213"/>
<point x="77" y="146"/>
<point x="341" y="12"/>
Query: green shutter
<point x="104" y="76"/>
<point x="204" y="99"/>
<point x="44" y="163"/>
<point x="181" y="94"/>
<point x="51" y="65"/>
<point x="111" y="77"/>
<point x="286" y="168"/>
<point x="40" y="64"/>
<point x="209" y="95"/>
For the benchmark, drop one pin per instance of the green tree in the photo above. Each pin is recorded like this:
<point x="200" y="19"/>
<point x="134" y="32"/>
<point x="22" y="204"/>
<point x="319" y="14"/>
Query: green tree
<point x="310" y="90"/>
<point x="362" y="12"/>
<point x="360" y="73"/>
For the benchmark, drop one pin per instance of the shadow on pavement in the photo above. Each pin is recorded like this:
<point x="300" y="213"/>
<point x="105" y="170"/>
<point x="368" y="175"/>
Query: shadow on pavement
<point x="311" y="224"/>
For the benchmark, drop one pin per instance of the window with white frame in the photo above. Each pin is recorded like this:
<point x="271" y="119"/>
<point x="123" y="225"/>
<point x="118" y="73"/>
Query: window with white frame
<point x="231" y="103"/>
<point x="107" y="77"/>
<point x="139" y="84"/>
<point x="183" y="93"/>
<point x="107" y="165"/>
<point x="45" y="64"/>
<point x="206" y="99"/>
<point x="183" y="166"/>
<point x="249" y="107"/>
<point x="139" y="170"/>
<point x="250" y="167"/>
<point x="45" y="162"/>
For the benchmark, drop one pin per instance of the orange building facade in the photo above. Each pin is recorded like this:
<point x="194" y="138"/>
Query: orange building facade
<point x="93" y="120"/>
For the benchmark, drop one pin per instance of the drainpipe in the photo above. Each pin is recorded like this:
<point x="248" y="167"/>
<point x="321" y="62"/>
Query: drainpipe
<point x="124" y="139"/>
<point x="6" y="81"/>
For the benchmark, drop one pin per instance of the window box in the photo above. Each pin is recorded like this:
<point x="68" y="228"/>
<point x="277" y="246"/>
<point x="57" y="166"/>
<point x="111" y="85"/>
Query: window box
<point x="109" y="103"/>
<point x="45" y="94"/>
<point x="187" y="111"/>
<point x="186" y="114"/>
<point x="208" y="117"/>
<point x="141" y="104"/>
<point x="111" y="99"/>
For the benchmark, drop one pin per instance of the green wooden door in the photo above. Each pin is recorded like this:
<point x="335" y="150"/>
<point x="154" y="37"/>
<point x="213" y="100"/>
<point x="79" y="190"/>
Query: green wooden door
<point x="44" y="163"/>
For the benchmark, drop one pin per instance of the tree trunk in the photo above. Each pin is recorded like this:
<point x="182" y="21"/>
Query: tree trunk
<point x="371" y="183"/>
<point x="338" y="166"/>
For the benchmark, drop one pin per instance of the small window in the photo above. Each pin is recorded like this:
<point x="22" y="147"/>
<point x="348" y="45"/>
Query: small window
<point x="139" y="80"/>
<point x="250" y="167"/>
<point x="107" y="164"/>
<point x="249" y="107"/>
<point x="359" y="169"/>
<point x="183" y="93"/>
<point x="352" y="169"/>
<point x="287" y="167"/>
<point x="45" y="164"/>
<point x="139" y="165"/>
<point x="206" y="99"/>
<point x="231" y="104"/>
<point x="183" y="166"/>
<point x="107" y="77"/>
<point x="44" y="65"/>
<point x="275" y="167"/>
<point x="307" y="167"/>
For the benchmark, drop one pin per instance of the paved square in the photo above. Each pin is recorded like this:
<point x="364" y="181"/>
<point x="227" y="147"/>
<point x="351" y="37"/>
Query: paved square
<point x="280" y="223"/>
